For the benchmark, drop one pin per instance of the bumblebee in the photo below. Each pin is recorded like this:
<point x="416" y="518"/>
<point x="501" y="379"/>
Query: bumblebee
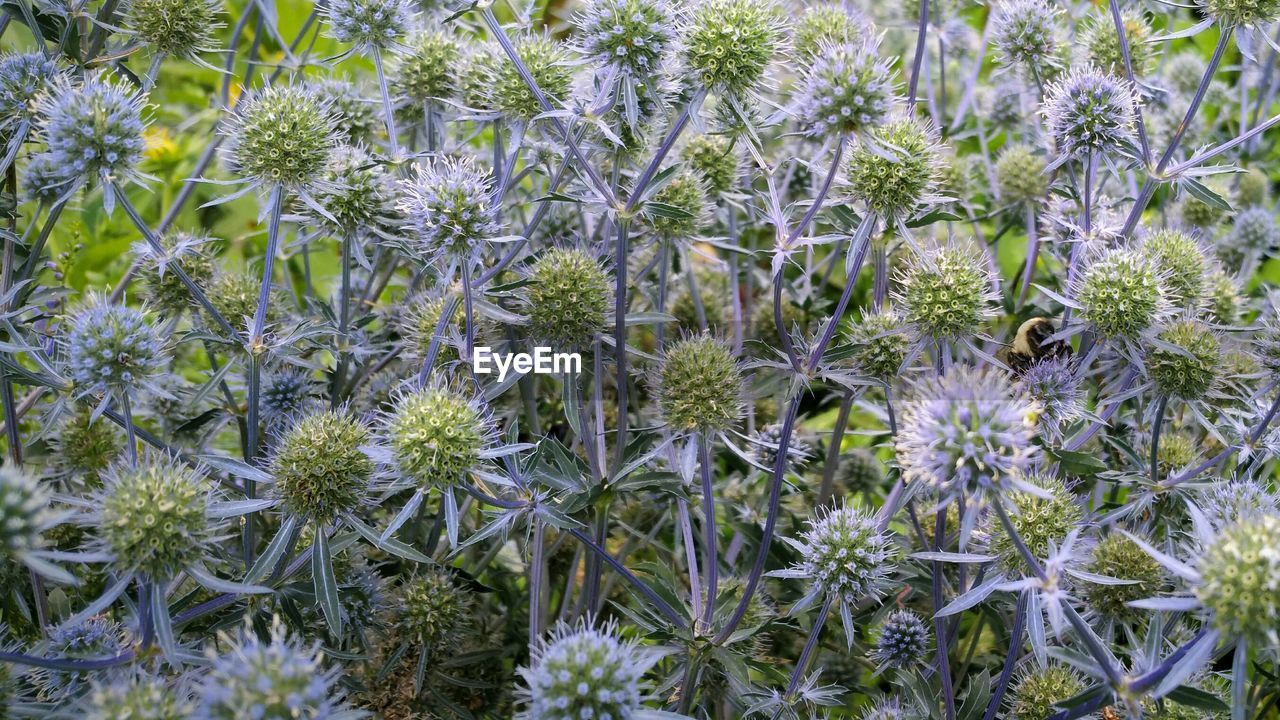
<point x="1032" y="343"/>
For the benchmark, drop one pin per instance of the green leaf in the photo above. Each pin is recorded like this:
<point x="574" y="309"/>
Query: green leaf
<point x="1197" y="698"/>
<point x="668" y="211"/>
<point x="267" y="560"/>
<point x="325" y="583"/>
<point x="1078" y="463"/>
<point x="1205" y="195"/>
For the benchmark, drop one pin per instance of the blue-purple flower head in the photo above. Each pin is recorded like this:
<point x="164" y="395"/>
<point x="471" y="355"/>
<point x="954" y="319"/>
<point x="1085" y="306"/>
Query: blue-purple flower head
<point x="903" y="641"/>
<point x="968" y="432"/>
<point x="43" y="179"/>
<point x="1025" y="32"/>
<point x="94" y="130"/>
<point x="1227" y="502"/>
<point x="23" y="77"/>
<point x="1054" y="384"/>
<point x="848" y="89"/>
<point x="370" y="25"/>
<point x="448" y="206"/>
<point x="845" y="556"/>
<point x="94" y="638"/>
<point x="1089" y="111"/>
<point x="273" y="679"/>
<point x="633" y="37"/>
<point x="113" y="348"/>
<point x="584" y="672"/>
<point x="138" y="695"/>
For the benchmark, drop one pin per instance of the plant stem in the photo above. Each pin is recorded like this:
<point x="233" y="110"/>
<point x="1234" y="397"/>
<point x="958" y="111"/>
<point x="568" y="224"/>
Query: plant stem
<point x="388" y="114"/>
<point x="709" y="537"/>
<point x="810" y="644"/>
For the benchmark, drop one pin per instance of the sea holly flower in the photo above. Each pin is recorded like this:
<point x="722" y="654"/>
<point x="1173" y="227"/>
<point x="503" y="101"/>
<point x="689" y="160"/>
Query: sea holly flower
<point x="274" y="677"/>
<point x="969" y="432"/>
<point x="584" y="672"/>
<point x="845" y="558"/>
<point x="1091" y="113"/>
<point x="448" y="209"/>
<point x="847" y="90"/>
<point x="729" y="44"/>
<point x="94" y="130"/>
<point x="631" y="37"/>
<point x="1026" y="32"/>
<point x="282" y="136"/>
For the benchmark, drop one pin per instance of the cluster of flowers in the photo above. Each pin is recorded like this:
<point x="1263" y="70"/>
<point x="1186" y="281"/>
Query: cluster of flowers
<point x="952" y="320"/>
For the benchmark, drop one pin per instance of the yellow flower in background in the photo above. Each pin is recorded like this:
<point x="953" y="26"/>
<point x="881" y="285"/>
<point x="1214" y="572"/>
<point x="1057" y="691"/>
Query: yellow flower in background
<point x="160" y="146"/>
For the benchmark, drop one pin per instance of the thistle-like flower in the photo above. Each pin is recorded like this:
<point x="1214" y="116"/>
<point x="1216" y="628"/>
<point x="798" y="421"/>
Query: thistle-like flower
<point x="137" y="696"/>
<point x="370" y="25"/>
<point x="569" y="296"/>
<point x="880" y="346"/>
<point x="1247" y="13"/>
<point x="92" y="639"/>
<point x="1116" y="556"/>
<point x="687" y="193"/>
<point x="1043" y="519"/>
<point x="583" y="672"/>
<point x="1020" y="174"/>
<point x="1186" y="361"/>
<point x="729" y="44"/>
<point x="282" y="136"/>
<point x="715" y="160"/>
<point x="426" y="70"/>
<point x="437" y="435"/>
<point x="1254" y="235"/>
<point x="1181" y="261"/>
<point x="164" y="291"/>
<point x="287" y="393"/>
<point x="448" y="206"/>
<point x="632" y="37"/>
<point x="547" y="62"/>
<point x="273" y="678"/>
<point x="847" y="90"/>
<point x="153" y="519"/>
<point x="1122" y="294"/>
<point x="1229" y="502"/>
<point x="826" y="25"/>
<point x="946" y="292"/>
<point x="902" y="641"/>
<point x="23" y="78"/>
<point x="181" y="28"/>
<point x="1054" y="384"/>
<point x="321" y="468"/>
<point x="44" y="180"/>
<point x="896" y="173"/>
<point x="113" y="348"/>
<point x="968" y="432"/>
<point x="94" y="130"/>
<point x="1089" y="112"/>
<point x="699" y="386"/>
<point x="844" y="556"/>
<point x="25" y="515"/>
<point x="435" y="611"/>
<point x="356" y="193"/>
<point x="1026" y="32"/>
<point x="1102" y="44"/>
<point x="1037" y="692"/>
<point x="1240" y="581"/>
